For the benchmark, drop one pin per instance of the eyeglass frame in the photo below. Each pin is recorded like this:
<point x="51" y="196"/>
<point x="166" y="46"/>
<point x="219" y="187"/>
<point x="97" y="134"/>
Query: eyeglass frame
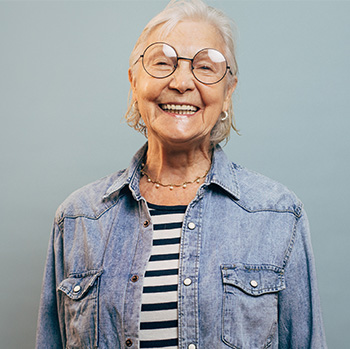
<point x="228" y="68"/>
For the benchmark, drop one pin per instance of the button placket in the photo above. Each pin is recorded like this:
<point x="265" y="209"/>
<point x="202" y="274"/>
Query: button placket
<point x="191" y="225"/>
<point x="142" y="243"/>
<point x="188" y="308"/>
<point x="134" y="278"/>
<point x="187" y="282"/>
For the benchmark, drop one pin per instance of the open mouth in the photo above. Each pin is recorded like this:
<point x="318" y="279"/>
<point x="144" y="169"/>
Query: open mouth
<point x="179" y="109"/>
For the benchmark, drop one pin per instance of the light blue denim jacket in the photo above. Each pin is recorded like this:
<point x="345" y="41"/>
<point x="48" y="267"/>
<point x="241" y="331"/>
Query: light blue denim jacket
<point x="245" y="247"/>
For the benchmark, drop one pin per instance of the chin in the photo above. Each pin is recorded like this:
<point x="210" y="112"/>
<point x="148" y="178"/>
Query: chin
<point x="186" y="140"/>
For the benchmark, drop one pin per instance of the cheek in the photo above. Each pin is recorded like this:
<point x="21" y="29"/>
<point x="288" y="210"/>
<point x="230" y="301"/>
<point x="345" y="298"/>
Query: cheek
<point x="214" y="97"/>
<point x="148" y="89"/>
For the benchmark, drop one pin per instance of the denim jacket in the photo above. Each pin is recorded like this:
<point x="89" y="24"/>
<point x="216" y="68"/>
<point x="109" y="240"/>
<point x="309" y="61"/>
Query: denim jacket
<point x="245" y="248"/>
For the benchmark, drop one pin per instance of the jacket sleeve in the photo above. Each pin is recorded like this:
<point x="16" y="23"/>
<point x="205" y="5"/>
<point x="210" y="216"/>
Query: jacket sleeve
<point x="300" y="317"/>
<point x="48" y="330"/>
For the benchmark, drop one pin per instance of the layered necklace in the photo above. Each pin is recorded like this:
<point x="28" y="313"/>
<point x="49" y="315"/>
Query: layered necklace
<point x="171" y="186"/>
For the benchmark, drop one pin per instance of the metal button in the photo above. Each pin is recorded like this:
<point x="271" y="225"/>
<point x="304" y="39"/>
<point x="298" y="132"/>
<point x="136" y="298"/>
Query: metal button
<point x="76" y="289"/>
<point x="128" y="342"/>
<point x="191" y="346"/>
<point x="253" y="283"/>
<point x="187" y="282"/>
<point x="146" y="224"/>
<point x="134" y="278"/>
<point x="191" y="225"/>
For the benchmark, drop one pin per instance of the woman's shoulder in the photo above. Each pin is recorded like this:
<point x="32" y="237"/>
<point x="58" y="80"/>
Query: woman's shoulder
<point x="89" y="200"/>
<point x="259" y="192"/>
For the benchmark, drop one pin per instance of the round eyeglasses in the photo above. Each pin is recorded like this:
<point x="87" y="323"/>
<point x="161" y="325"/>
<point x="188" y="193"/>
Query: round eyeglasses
<point x="208" y="66"/>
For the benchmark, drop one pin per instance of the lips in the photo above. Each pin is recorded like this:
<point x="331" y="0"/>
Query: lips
<point x="179" y="108"/>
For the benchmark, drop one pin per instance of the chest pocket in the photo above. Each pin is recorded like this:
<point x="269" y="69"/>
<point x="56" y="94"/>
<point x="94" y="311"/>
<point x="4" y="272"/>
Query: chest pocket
<point x="250" y="304"/>
<point x="79" y="302"/>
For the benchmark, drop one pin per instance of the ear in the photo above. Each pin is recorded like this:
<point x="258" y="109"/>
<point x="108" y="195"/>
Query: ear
<point x="228" y="94"/>
<point x="132" y="84"/>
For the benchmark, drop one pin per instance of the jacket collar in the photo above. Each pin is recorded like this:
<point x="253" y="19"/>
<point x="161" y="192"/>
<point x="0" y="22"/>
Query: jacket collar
<point x="222" y="173"/>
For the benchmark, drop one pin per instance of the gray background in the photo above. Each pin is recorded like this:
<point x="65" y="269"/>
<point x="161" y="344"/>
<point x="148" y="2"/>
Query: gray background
<point x="64" y="86"/>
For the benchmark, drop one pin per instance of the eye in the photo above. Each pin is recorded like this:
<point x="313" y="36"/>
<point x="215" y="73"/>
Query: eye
<point x="204" y="67"/>
<point x="162" y="63"/>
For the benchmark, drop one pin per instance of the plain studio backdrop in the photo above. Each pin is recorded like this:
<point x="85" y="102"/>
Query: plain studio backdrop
<point x="64" y="88"/>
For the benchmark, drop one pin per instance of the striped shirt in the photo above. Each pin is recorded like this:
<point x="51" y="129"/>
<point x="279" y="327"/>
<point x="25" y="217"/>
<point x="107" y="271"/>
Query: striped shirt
<point x="159" y="318"/>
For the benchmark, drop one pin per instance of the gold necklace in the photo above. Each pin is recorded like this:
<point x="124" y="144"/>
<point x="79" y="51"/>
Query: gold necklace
<point x="171" y="186"/>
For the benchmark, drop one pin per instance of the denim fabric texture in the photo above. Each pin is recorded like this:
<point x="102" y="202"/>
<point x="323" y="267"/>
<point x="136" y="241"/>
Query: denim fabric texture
<point x="247" y="253"/>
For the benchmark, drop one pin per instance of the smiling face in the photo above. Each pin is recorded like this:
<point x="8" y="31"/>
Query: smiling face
<point x="179" y="109"/>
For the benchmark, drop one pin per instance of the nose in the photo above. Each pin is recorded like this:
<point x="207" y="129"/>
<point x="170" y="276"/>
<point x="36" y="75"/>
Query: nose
<point x="182" y="79"/>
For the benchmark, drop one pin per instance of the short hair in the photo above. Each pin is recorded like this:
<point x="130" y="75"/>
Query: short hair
<point x="175" y="12"/>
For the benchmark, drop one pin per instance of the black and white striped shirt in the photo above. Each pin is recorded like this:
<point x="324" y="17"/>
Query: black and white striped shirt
<point x="159" y="318"/>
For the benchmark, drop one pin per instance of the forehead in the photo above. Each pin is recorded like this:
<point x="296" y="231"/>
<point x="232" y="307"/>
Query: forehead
<point x="188" y="37"/>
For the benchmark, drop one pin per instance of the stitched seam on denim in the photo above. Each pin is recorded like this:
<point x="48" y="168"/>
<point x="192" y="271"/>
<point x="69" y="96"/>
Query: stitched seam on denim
<point x="278" y="272"/>
<point x="266" y="209"/>
<point x="272" y="267"/>
<point x="235" y="182"/>
<point x="97" y="319"/>
<point x="181" y="258"/>
<point x="229" y="190"/>
<point x="120" y="174"/>
<point x="86" y="273"/>
<point x="134" y="255"/>
<point x="136" y="169"/>
<point x="291" y="243"/>
<point x="59" y="222"/>
<point x="179" y="300"/>
<point x="236" y="179"/>
<point x="196" y="294"/>
<point x="257" y="267"/>
<point x="259" y="292"/>
<point x="95" y="276"/>
<point x="223" y="307"/>
<point x="222" y="325"/>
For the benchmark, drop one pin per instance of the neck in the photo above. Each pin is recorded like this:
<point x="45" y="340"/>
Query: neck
<point x="173" y="164"/>
<point x="177" y="164"/>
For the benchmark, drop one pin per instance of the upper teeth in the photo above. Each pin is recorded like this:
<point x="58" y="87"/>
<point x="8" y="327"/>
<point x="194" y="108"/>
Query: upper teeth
<point x="179" y="107"/>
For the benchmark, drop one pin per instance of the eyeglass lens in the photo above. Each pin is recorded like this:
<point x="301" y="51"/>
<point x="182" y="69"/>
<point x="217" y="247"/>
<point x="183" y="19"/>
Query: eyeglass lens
<point x="160" y="60"/>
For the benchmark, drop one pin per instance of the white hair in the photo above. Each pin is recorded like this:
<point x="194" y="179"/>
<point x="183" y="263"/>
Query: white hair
<point x="175" y="12"/>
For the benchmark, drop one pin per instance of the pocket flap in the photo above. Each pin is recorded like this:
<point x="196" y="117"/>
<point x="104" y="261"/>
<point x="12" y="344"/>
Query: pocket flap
<point x="77" y="284"/>
<point x="253" y="279"/>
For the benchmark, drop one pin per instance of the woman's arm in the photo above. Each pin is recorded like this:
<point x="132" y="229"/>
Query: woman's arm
<point x="300" y="318"/>
<point x="48" y="330"/>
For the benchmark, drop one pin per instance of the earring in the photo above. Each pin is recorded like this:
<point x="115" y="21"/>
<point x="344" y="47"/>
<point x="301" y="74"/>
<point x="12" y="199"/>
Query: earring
<point x="224" y="117"/>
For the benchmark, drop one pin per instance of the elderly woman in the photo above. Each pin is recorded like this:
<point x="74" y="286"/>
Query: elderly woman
<point x="183" y="249"/>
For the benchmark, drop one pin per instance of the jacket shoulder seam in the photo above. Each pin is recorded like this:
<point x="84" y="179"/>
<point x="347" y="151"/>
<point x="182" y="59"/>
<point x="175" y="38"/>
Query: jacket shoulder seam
<point x="87" y="216"/>
<point x="296" y="212"/>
